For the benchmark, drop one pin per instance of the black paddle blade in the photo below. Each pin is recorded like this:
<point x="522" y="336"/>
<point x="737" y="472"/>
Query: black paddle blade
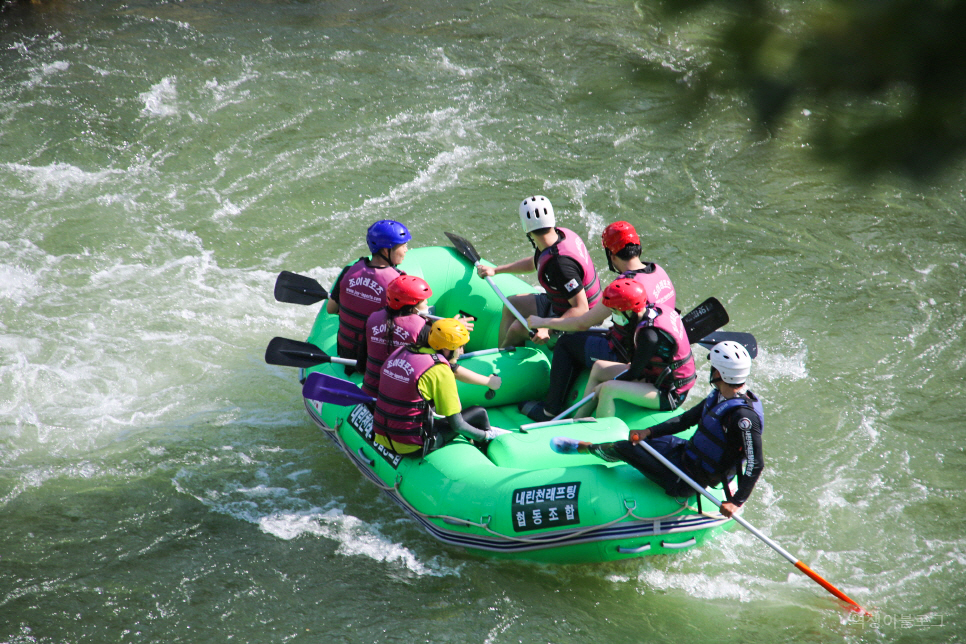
<point x="292" y="353"/>
<point x="746" y="340"/>
<point x="464" y="248"/>
<point x="704" y="319"/>
<point x="298" y="289"/>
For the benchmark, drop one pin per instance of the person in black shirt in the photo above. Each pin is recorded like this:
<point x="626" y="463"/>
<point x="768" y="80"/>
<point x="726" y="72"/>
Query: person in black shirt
<point x="564" y="269"/>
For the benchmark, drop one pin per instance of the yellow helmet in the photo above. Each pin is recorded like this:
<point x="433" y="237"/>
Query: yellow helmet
<point x="448" y="333"/>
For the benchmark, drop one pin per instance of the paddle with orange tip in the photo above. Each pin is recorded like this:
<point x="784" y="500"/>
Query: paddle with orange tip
<point x="636" y="438"/>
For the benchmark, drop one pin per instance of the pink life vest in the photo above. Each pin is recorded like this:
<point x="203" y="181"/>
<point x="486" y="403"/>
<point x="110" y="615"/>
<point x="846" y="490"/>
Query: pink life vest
<point x="569" y="245"/>
<point x="362" y="292"/>
<point x="660" y="293"/>
<point x="405" y="328"/>
<point x="674" y="372"/>
<point x="401" y="410"/>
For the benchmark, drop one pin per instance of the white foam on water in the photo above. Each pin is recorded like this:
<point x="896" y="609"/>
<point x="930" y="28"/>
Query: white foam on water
<point x="17" y="284"/>
<point x="576" y="190"/>
<point x="447" y="65"/>
<point x="57" y="178"/>
<point x="278" y="503"/>
<point x="355" y="538"/>
<point x="39" y="74"/>
<point x="226" y="93"/>
<point x="702" y="586"/>
<point x="161" y="100"/>
<point x="55" y="67"/>
<point x="632" y="134"/>
<point x="441" y="173"/>
<point x="775" y="366"/>
<point x="114" y="344"/>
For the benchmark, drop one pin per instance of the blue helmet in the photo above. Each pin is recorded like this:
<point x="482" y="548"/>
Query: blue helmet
<point x="386" y="233"/>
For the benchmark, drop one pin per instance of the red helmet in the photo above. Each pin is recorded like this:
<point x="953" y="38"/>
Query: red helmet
<point x="618" y="235"/>
<point x="625" y="294"/>
<point x="407" y="290"/>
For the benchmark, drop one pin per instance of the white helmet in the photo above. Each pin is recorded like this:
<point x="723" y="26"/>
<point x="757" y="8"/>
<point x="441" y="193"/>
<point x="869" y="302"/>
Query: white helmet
<point x="732" y="361"/>
<point x="535" y="213"/>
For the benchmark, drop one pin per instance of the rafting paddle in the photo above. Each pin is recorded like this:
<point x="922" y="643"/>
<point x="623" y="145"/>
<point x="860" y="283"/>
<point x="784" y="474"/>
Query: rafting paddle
<point x="292" y="353"/>
<point x="302" y="355"/>
<point x="465" y="248"/>
<point x="774" y="546"/>
<point x="329" y="389"/>
<point x="746" y="340"/>
<point x="298" y="289"/>
<point x="705" y="318"/>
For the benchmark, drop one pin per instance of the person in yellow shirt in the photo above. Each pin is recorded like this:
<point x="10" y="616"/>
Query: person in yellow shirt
<point x="417" y="385"/>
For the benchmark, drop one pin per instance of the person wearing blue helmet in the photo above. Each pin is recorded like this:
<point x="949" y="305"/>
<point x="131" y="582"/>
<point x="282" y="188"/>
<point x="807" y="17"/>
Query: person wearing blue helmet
<point x="360" y="289"/>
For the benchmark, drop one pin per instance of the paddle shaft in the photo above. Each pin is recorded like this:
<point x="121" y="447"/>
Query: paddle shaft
<point x="466" y="249"/>
<point x="774" y="546"/>
<point x="580" y="403"/>
<point x="506" y="302"/>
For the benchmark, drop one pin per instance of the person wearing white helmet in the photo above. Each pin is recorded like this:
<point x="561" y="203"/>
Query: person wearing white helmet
<point x="564" y="269"/>
<point x="727" y="441"/>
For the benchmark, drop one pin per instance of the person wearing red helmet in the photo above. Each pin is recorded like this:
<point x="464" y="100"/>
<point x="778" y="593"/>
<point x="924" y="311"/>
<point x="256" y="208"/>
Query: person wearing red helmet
<point x="622" y="243"/>
<point x="580" y="349"/>
<point x="564" y="269"/>
<point x="661" y="370"/>
<point x="395" y="325"/>
<point x="399" y="324"/>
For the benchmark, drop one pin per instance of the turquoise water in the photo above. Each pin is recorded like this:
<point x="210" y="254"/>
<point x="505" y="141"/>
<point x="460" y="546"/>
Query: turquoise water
<point x="160" y="162"/>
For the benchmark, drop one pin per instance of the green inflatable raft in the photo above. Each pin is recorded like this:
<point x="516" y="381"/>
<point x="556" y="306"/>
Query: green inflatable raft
<point x="519" y="500"/>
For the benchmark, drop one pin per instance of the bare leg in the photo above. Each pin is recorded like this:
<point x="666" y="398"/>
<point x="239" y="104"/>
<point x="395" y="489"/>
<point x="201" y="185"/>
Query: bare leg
<point x="642" y="394"/>
<point x="512" y="333"/>
<point x="602" y="371"/>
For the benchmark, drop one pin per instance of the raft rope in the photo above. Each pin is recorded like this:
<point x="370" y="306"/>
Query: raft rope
<point x="394" y="489"/>
<point x="569" y="535"/>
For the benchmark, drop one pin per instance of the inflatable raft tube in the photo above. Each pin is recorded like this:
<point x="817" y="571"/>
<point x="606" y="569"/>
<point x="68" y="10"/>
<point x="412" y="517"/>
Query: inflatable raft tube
<point x="519" y="499"/>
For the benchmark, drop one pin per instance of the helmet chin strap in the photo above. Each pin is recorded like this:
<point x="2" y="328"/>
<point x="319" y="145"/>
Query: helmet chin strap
<point x="532" y="243"/>
<point x="610" y="263"/>
<point x="387" y="256"/>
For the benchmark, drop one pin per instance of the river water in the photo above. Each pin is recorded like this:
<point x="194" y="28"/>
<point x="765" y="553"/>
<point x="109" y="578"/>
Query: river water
<point x="160" y="162"/>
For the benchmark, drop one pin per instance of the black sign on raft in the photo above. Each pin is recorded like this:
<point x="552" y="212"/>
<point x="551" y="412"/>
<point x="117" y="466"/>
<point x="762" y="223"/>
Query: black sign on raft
<point x="546" y="506"/>
<point x="360" y="419"/>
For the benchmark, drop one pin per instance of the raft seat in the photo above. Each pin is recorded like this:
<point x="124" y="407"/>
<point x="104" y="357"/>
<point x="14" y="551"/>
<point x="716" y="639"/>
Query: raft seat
<point x="532" y="450"/>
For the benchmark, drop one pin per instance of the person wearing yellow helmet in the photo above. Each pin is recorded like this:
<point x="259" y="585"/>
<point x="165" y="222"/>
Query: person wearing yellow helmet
<point x="417" y="384"/>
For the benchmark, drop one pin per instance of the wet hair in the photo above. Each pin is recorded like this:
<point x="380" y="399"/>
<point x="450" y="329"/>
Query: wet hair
<point x="422" y="338"/>
<point x="629" y="252"/>
<point x="392" y="314"/>
<point x="538" y="231"/>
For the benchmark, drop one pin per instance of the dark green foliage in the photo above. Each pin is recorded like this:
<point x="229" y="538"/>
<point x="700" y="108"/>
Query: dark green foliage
<point x="884" y="80"/>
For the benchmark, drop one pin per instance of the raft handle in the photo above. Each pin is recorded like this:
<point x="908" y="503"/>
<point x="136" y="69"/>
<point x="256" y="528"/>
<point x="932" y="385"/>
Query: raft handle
<point x="675" y="546"/>
<point x="634" y="551"/>
<point x="370" y="461"/>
